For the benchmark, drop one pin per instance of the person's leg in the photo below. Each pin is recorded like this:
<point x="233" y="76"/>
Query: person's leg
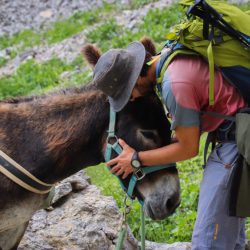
<point x="241" y="241"/>
<point x="214" y="229"/>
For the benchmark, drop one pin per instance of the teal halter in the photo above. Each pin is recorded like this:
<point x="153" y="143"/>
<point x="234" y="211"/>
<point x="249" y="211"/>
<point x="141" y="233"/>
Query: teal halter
<point x="113" y="145"/>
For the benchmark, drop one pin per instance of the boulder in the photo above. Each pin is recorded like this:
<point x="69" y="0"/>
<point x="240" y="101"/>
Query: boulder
<point x="81" y="218"/>
<point x="78" y="218"/>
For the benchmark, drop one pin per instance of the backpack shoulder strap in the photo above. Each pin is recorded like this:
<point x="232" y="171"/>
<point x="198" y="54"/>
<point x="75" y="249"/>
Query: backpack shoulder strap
<point x="167" y="57"/>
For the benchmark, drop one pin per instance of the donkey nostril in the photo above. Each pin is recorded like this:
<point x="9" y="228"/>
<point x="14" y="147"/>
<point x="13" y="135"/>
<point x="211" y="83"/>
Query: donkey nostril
<point x="169" y="204"/>
<point x="172" y="204"/>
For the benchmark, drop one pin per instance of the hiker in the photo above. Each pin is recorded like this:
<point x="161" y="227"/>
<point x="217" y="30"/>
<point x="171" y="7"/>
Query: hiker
<point x="125" y="74"/>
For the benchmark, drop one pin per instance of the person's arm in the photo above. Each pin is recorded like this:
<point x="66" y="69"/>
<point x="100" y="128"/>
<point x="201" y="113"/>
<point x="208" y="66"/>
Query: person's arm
<point x="185" y="148"/>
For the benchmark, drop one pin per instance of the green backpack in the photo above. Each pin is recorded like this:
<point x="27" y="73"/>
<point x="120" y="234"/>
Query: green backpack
<point x="218" y="31"/>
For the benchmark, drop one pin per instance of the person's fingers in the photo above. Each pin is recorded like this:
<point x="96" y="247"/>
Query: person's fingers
<point x="119" y="172"/>
<point x="125" y="175"/>
<point x="112" y="162"/>
<point x="114" y="169"/>
<point x="122" y="143"/>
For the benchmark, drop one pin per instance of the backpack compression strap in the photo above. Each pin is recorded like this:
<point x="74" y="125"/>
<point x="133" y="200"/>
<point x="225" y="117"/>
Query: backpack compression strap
<point x="211" y="17"/>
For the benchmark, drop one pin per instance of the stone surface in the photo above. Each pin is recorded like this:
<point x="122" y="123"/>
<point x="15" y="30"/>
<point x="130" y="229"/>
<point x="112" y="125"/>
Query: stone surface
<point x="18" y="15"/>
<point x="164" y="246"/>
<point x="81" y="218"/>
<point x="68" y="49"/>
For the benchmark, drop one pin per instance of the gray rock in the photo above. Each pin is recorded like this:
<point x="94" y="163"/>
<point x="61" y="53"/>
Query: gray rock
<point x="247" y="244"/>
<point x="82" y="218"/>
<point x="62" y="190"/>
<point x="18" y="15"/>
<point x="4" y="53"/>
<point x="164" y="246"/>
<point x="68" y="49"/>
<point x="28" y="54"/>
<point x="85" y="220"/>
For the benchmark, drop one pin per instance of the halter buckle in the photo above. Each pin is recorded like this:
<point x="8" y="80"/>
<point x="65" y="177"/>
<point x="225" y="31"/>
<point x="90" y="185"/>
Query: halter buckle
<point x="139" y="174"/>
<point x="112" y="139"/>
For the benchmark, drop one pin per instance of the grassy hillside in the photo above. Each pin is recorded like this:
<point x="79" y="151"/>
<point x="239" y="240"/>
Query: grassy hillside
<point x="36" y="78"/>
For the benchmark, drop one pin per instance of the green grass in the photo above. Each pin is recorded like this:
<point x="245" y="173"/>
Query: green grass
<point x="26" y="38"/>
<point x="179" y="226"/>
<point x="3" y="61"/>
<point x="71" y="26"/>
<point x="34" y="78"/>
<point x="155" y="24"/>
<point x="59" y="31"/>
<point x="161" y="20"/>
<point x="135" y="4"/>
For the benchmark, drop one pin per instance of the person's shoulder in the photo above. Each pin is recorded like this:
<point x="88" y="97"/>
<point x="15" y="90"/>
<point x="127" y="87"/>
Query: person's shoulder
<point x="186" y="61"/>
<point x="187" y="69"/>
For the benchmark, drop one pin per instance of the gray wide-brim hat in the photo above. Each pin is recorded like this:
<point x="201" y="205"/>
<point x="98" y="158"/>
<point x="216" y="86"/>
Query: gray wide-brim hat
<point x="117" y="71"/>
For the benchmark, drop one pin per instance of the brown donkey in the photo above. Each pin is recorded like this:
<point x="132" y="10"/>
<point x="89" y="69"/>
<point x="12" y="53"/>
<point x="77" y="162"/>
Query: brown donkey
<point x="55" y="135"/>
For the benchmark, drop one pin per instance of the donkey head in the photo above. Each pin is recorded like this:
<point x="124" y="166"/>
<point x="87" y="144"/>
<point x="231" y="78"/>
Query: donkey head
<point x="144" y="126"/>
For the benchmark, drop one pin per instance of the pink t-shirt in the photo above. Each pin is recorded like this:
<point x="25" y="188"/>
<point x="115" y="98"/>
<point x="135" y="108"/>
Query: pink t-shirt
<point x="185" y="90"/>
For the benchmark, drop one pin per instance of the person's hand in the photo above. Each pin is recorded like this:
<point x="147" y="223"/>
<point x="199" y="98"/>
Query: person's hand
<point x="121" y="165"/>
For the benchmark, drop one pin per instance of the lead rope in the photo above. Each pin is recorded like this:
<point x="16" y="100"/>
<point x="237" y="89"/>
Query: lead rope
<point x="123" y="231"/>
<point x="142" y="229"/>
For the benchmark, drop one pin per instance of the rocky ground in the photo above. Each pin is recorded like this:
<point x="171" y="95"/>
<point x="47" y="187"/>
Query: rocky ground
<point x="18" y="15"/>
<point x="81" y="218"/>
<point x="68" y="49"/>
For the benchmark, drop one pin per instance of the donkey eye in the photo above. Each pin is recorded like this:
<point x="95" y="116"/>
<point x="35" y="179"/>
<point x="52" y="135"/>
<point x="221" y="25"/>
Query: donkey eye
<point x="149" y="134"/>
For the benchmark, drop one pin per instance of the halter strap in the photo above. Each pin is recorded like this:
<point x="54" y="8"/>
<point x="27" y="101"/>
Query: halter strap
<point x="21" y="176"/>
<point x="138" y="174"/>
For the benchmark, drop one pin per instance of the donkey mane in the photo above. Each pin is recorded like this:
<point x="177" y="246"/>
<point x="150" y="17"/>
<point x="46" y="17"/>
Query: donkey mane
<point x="59" y="92"/>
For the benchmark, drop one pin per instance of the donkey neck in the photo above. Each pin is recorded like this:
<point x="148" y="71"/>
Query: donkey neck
<point x="55" y="135"/>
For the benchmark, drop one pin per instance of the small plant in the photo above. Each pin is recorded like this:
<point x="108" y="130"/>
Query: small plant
<point x="3" y="61"/>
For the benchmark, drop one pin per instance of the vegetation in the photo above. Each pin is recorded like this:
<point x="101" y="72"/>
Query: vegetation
<point x="179" y="226"/>
<point x="111" y="35"/>
<point x="34" y="78"/>
<point x="58" y="32"/>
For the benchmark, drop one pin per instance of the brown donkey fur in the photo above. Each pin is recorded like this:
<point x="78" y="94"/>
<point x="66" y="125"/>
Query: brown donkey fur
<point x="55" y="135"/>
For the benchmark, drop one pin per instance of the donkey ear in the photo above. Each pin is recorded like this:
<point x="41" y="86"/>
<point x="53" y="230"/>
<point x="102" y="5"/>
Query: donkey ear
<point x="149" y="45"/>
<point x="91" y="54"/>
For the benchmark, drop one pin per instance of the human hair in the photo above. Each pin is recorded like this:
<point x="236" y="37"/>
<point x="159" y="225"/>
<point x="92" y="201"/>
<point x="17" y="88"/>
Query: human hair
<point x="145" y="66"/>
